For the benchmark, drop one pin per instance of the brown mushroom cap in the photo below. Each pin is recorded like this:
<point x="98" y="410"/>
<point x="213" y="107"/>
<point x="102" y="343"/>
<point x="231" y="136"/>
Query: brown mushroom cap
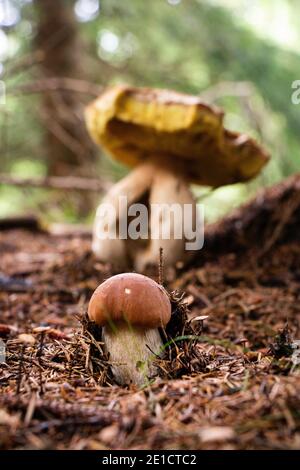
<point x="136" y="124"/>
<point x="130" y="297"/>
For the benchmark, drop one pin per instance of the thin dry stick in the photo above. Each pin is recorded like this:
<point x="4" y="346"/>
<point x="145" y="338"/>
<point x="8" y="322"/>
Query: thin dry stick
<point x="66" y="183"/>
<point x="24" y="63"/>
<point x="161" y="266"/>
<point x="20" y="368"/>
<point x="57" y="84"/>
<point x="222" y="89"/>
<point x="39" y="355"/>
<point x="63" y="136"/>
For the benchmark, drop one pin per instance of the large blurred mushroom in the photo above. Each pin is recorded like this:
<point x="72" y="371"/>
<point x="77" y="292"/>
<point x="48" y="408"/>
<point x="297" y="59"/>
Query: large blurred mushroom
<point x="171" y="140"/>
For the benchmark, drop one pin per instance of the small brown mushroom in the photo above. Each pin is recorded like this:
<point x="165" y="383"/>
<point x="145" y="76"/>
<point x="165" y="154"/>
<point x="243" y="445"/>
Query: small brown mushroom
<point x="131" y="308"/>
<point x="173" y="140"/>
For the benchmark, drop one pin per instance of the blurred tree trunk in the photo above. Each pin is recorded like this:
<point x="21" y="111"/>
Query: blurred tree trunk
<point x="69" y="149"/>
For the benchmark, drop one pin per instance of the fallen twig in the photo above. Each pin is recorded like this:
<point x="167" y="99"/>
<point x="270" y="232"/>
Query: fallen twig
<point x="68" y="183"/>
<point x="58" y="84"/>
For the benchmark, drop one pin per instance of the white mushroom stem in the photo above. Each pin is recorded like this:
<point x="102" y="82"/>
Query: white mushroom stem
<point x="132" y="352"/>
<point x="167" y="190"/>
<point x="168" y="196"/>
<point x="106" y="247"/>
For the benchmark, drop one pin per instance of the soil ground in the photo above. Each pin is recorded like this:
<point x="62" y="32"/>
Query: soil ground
<point x="243" y="391"/>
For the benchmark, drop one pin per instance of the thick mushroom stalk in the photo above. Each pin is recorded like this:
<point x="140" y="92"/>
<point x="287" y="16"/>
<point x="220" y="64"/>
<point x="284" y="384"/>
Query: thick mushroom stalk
<point x="132" y="352"/>
<point x="131" y="308"/>
<point x="107" y="244"/>
<point x="168" y="199"/>
<point x="166" y="195"/>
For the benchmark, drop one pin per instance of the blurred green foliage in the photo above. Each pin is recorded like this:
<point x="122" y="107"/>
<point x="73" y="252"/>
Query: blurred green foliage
<point x="196" y="46"/>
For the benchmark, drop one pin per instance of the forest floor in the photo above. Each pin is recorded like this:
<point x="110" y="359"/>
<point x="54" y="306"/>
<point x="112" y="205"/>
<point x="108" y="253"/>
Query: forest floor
<point x="238" y="389"/>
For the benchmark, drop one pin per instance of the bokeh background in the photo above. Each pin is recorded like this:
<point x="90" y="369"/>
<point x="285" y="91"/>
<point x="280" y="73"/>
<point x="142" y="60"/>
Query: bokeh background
<point x="56" y="54"/>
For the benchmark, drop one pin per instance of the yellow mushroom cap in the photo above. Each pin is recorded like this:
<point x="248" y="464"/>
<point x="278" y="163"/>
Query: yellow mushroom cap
<point x="132" y="298"/>
<point x="136" y="124"/>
